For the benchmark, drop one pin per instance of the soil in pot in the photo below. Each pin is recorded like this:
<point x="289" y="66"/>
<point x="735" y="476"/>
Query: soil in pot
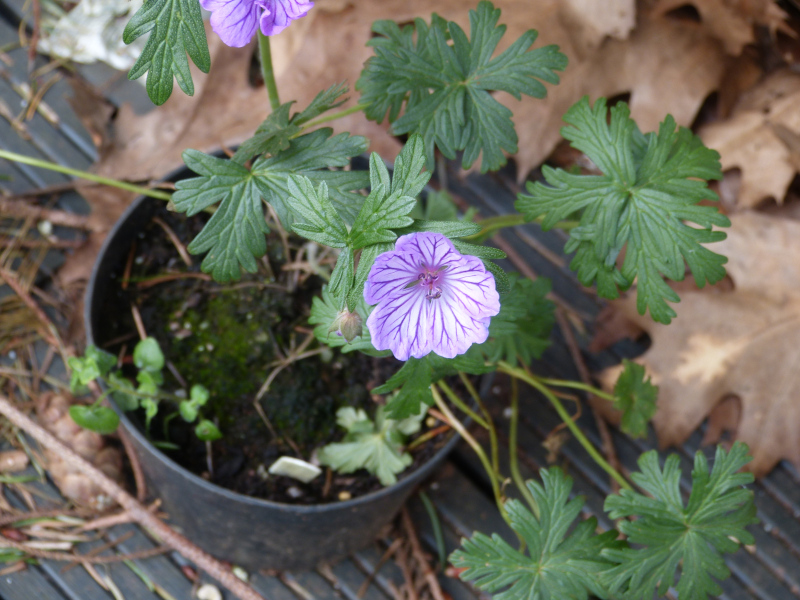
<point x="231" y="338"/>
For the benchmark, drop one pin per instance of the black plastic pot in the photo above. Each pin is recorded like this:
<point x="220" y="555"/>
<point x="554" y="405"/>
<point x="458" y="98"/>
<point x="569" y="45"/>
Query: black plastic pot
<point x="251" y="532"/>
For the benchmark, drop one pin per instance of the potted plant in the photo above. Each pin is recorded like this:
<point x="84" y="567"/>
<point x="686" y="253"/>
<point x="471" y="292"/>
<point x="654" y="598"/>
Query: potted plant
<point x="428" y="292"/>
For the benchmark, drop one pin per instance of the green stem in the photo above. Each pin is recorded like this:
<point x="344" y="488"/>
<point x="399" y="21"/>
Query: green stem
<point x="267" y="71"/>
<point x="490" y="225"/>
<point x="519" y="481"/>
<point x="333" y="116"/>
<point x="577" y="385"/>
<point x="494" y="447"/>
<point x="494" y="477"/>
<point x="535" y="382"/>
<point x="462" y="405"/>
<point x="44" y="164"/>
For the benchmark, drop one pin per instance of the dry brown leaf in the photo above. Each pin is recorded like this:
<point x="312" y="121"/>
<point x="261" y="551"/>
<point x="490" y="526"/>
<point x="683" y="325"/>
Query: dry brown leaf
<point x="742" y="343"/>
<point x="666" y="67"/>
<point x="731" y="21"/>
<point x="52" y="410"/>
<point x="762" y="138"/>
<point x="224" y="110"/>
<point x="332" y="48"/>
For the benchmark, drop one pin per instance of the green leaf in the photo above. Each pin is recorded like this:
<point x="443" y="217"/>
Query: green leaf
<point x="414" y="380"/>
<point x="323" y="102"/>
<point x="651" y="187"/>
<point x="176" y="28"/>
<point x="275" y="133"/>
<point x="446" y="89"/>
<point x="315" y="216"/>
<point x="272" y="136"/>
<point x="376" y="447"/>
<point x="521" y="329"/>
<point x="437" y="205"/>
<point x="416" y="375"/>
<point x="123" y="392"/>
<point x="102" y="359"/>
<point x="234" y="237"/>
<point x="150" y="406"/>
<point x="324" y="312"/>
<point x="147" y="355"/>
<point x="100" y="419"/>
<point x="199" y="394"/>
<point x="149" y="382"/>
<point x="635" y="398"/>
<point x="313" y="155"/>
<point x="563" y="561"/>
<point x="664" y="533"/>
<point x="207" y="431"/>
<point x="389" y="202"/>
<point x="451" y="229"/>
<point x="188" y="411"/>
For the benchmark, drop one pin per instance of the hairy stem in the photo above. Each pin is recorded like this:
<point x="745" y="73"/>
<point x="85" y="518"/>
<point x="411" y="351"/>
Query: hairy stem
<point x="462" y="405"/>
<point x="513" y="462"/>
<point x="494" y="477"/>
<point x="265" y="53"/>
<point x="577" y="385"/>
<point x="493" y="445"/>
<point x="123" y="185"/>
<point x="537" y="383"/>
<point x="491" y="225"/>
<point x="334" y="116"/>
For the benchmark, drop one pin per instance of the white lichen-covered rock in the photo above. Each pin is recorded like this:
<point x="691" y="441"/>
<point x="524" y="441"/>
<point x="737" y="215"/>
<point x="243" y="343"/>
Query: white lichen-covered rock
<point x="91" y="32"/>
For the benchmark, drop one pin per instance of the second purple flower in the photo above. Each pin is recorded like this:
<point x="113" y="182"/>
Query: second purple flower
<point x="236" y="21"/>
<point x="430" y="298"/>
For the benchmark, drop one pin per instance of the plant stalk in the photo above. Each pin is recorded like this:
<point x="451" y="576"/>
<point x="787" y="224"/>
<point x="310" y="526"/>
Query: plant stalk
<point x="491" y="225"/>
<point x="123" y="185"/>
<point x="577" y="385"/>
<point x="494" y="447"/>
<point x="265" y="53"/>
<point x="513" y="461"/>
<point x="462" y="405"/>
<point x="535" y="382"/>
<point x="333" y="116"/>
<point x="494" y="477"/>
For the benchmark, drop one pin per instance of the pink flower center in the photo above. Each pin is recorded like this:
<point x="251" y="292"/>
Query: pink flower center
<point x="429" y="281"/>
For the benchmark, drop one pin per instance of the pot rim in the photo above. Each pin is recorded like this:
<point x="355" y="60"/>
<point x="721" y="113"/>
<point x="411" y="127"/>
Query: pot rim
<point x="412" y="478"/>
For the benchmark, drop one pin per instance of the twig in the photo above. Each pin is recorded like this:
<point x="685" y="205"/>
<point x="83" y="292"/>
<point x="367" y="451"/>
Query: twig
<point x="377" y="567"/>
<point x="136" y="467"/>
<point x="416" y="547"/>
<point x="175" y="241"/>
<point x="50" y="334"/>
<point x="605" y="435"/>
<point x="137" y="318"/>
<point x="39" y="514"/>
<point x="81" y="558"/>
<point x="168" y="536"/>
<point x="100" y="549"/>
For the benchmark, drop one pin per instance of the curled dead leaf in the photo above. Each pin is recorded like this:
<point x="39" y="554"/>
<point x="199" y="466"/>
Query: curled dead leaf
<point x="762" y="138"/>
<point x="53" y="412"/>
<point x="739" y="343"/>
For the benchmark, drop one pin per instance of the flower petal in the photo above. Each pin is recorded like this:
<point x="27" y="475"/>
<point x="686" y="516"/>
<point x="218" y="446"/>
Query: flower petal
<point x="234" y="21"/>
<point x="279" y="13"/>
<point x="469" y="287"/>
<point x="454" y="330"/>
<point x="400" y="324"/>
<point x="434" y="249"/>
<point x="390" y="274"/>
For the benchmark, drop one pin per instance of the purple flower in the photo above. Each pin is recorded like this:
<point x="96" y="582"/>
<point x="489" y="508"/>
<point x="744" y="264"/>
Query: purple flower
<point x="430" y="298"/>
<point x="235" y="21"/>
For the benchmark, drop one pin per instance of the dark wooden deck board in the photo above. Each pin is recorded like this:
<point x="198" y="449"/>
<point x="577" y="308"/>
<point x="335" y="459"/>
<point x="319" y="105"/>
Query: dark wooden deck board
<point x="771" y="572"/>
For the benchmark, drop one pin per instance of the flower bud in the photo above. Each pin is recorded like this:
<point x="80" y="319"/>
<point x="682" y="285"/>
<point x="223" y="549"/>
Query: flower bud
<point x="347" y="324"/>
